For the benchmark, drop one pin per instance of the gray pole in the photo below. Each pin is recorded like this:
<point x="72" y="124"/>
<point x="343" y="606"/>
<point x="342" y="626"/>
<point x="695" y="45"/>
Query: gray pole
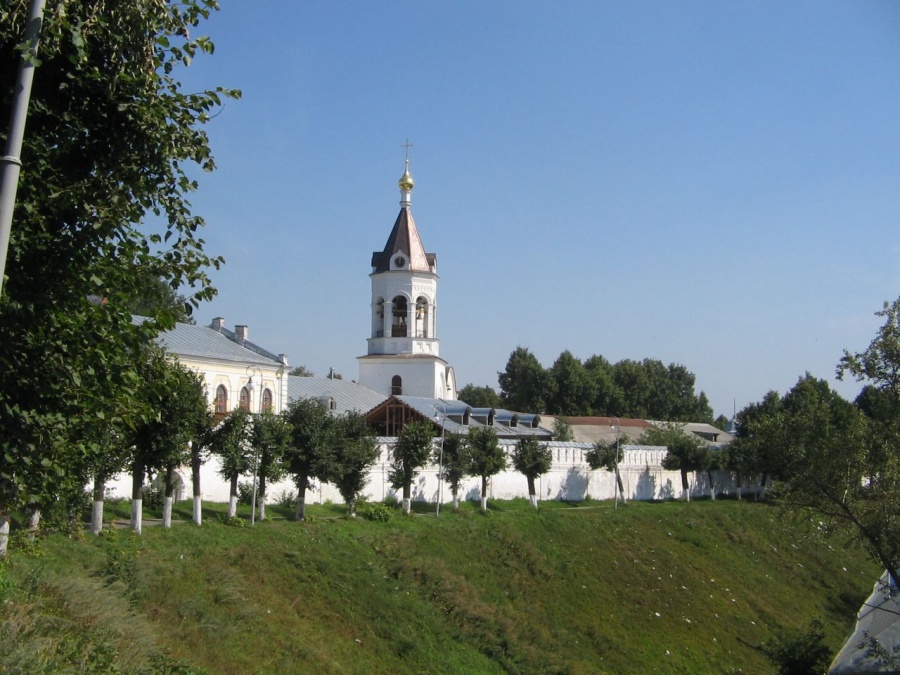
<point x="11" y="163"/>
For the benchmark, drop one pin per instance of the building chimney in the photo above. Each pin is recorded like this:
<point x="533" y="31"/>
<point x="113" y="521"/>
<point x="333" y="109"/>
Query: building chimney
<point x="218" y="324"/>
<point x="241" y="334"/>
<point x="284" y="359"/>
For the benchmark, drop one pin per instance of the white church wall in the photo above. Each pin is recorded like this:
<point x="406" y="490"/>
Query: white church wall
<point x="569" y="479"/>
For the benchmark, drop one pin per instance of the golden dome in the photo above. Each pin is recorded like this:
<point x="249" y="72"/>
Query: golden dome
<point x="406" y="181"/>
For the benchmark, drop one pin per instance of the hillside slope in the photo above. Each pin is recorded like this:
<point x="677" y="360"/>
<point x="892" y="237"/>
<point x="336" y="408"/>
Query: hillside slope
<point x="666" y="587"/>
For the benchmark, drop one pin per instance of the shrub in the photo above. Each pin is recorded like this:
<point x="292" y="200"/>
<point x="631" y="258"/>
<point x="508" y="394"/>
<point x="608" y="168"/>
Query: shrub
<point x="245" y="493"/>
<point x="375" y="511"/>
<point x="286" y="498"/>
<point x="802" y="653"/>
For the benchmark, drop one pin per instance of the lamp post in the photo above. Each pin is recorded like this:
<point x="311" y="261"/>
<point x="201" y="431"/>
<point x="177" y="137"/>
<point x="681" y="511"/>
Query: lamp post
<point x="443" y="408"/>
<point x="252" y="371"/>
<point x="616" y="486"/>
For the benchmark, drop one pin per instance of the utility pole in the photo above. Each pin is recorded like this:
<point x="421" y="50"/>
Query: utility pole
<point x="11" y="162"/>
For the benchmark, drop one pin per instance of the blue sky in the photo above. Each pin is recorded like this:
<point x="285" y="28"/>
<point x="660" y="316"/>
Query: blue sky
<point x="708" y="183"/>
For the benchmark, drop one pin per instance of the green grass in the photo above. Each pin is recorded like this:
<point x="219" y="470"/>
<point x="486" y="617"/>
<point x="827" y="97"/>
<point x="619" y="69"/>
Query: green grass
<point x="666" y="587"/>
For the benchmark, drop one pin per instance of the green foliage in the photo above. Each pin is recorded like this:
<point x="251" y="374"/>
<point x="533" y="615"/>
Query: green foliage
<point x="376" y="511"/>
<point x="562" y="429"/>
<point x="604" y="456"/>
<point x="412" y="452"/>
<point x="309" y="453"/>
<point x="800" y="652"/>
<point x="355" y="451"/>
<point x="485" y="456"/>
<point x="452" y="455"/>
<point x="686" y="452"/>
<point x="531" y="458"/>
<point x="523" y="384"/>
<point x="479" y="397"/>
<point x="301" y="371"/>
<point x="230" y="442"/>
<point x="111" y="141"/>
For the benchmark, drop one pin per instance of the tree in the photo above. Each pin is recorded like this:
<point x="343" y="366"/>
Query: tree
<point x="486" y="457"/>
<point x="413" y="449"/>
<point x="302" y="371"/>
<point x="479" y="397"/>
<point x="230" y="442"/>
<point x="532" y="459"/>
<point x="562" y="429"/>
<point x="111" y="139"/>
<point x="608" y="398"/>
<point x="750" y="453"/>
<point x="523" y="385"/>
<point x="571" y="388"/>
<point x="607" y="455"/>
<point x="153" y="297"/>
<point x="452" y="457"/>
<point x="355" y="452"/>
<point x="310" y="452"/>
<point x="161" y="444"/>
<point x="686" y="452"/>
<point x="269" y="439"/>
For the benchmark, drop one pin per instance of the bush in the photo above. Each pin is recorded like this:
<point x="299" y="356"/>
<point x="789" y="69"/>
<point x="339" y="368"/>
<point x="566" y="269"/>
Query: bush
<point x="245" y="493"/>
<point x="153" y="497"/>
<point x="286" y="499"/>
<point x="375" y="511"/>
<point x="802" y="653"/>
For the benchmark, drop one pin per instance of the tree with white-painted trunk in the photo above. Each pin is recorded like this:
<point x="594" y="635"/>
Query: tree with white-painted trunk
<point x="270" y="438"/>
<point x="230" y="442"/>
<point x="532" y="459"/>
<point x="453" y="462"/>
<point x="414" y="447"/>
<point x="486" y="458"/>
<point x="310" y="451"/>
<point x="355" y="451"/>
<point x="607" y="455"/>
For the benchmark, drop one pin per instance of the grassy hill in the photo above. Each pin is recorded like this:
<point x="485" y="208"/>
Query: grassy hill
<point x="665" y="587"/>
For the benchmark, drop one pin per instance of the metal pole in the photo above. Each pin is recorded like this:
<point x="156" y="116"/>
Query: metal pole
<point x="254" y="370"/>
<point x="616" y="486"/>
<point x="11" y="162"/>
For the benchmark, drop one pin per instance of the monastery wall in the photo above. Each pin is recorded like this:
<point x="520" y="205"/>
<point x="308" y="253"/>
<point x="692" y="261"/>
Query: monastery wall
<point x="570" y="478"/>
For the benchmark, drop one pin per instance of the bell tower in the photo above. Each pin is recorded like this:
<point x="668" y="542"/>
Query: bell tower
<point x="403" y="350"/>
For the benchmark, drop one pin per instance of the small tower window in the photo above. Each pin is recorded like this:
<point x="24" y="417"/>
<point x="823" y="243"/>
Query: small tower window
<point x="221" y="400"/>
<point x="422" y="322"/>
<point x="396" y="386"/>
<point x="267" y="400"/>
<point x="245" y="399"/>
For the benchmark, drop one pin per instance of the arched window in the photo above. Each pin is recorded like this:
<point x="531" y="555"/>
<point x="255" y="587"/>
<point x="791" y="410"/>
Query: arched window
<point x="267" y="399"/>
<point x="378" y="319"/>
<point x="422" y="321"/>
<point x="221" y="400"/>
<point x="396" y="385"/>
<point x="245" y="399"/>
<point x="398" y="328"/>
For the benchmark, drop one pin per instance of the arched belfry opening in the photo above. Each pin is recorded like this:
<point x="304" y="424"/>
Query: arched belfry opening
<point x="400" y="314"/>
<point x="378" y="318"/>
<point x="396" y="386"/>
<point x="423" y="318"/>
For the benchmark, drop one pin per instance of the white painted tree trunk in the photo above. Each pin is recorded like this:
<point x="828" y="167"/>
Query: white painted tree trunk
<point x="533" y="499"/>
<point x="97" y="516"/>
<point x="301" y="507"/>
<point x="33" y="521"/>
<point x="4" y="534"/>
<point x="407" y="505"/>
<point x="455" y="503"/>
<point x="198" y="511"/>
<point x="167" y="512"/>
<point x="484" y="503"/>
<point x="137" y="515"/>
<point x="232" y="506"/>
<point x="261" y="505"/>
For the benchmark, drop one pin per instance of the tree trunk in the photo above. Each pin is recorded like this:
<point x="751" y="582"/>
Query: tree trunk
<point x="455" y="491"/>
<point x="352" y="506"/>
<point x="532" y="497"/>
<point x="261" y="498"/>
<point x="195" y="484"/>
<point x="684" y="485"/>
<point x="4" y="534"/>
<point x="712" y="485"/>
<point x="301" y="498"/>
<point x="761" y="492"/>
<point x="32" y="520"/>
<point x="169" y="496"/>
<point x="484" y="493"/>
<point x="233" y="497"/>
<point x="740" y="484"/>
<point x="97" y="505"/>
<point x="407" y="502"/>
<point x="137" y="496"/>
